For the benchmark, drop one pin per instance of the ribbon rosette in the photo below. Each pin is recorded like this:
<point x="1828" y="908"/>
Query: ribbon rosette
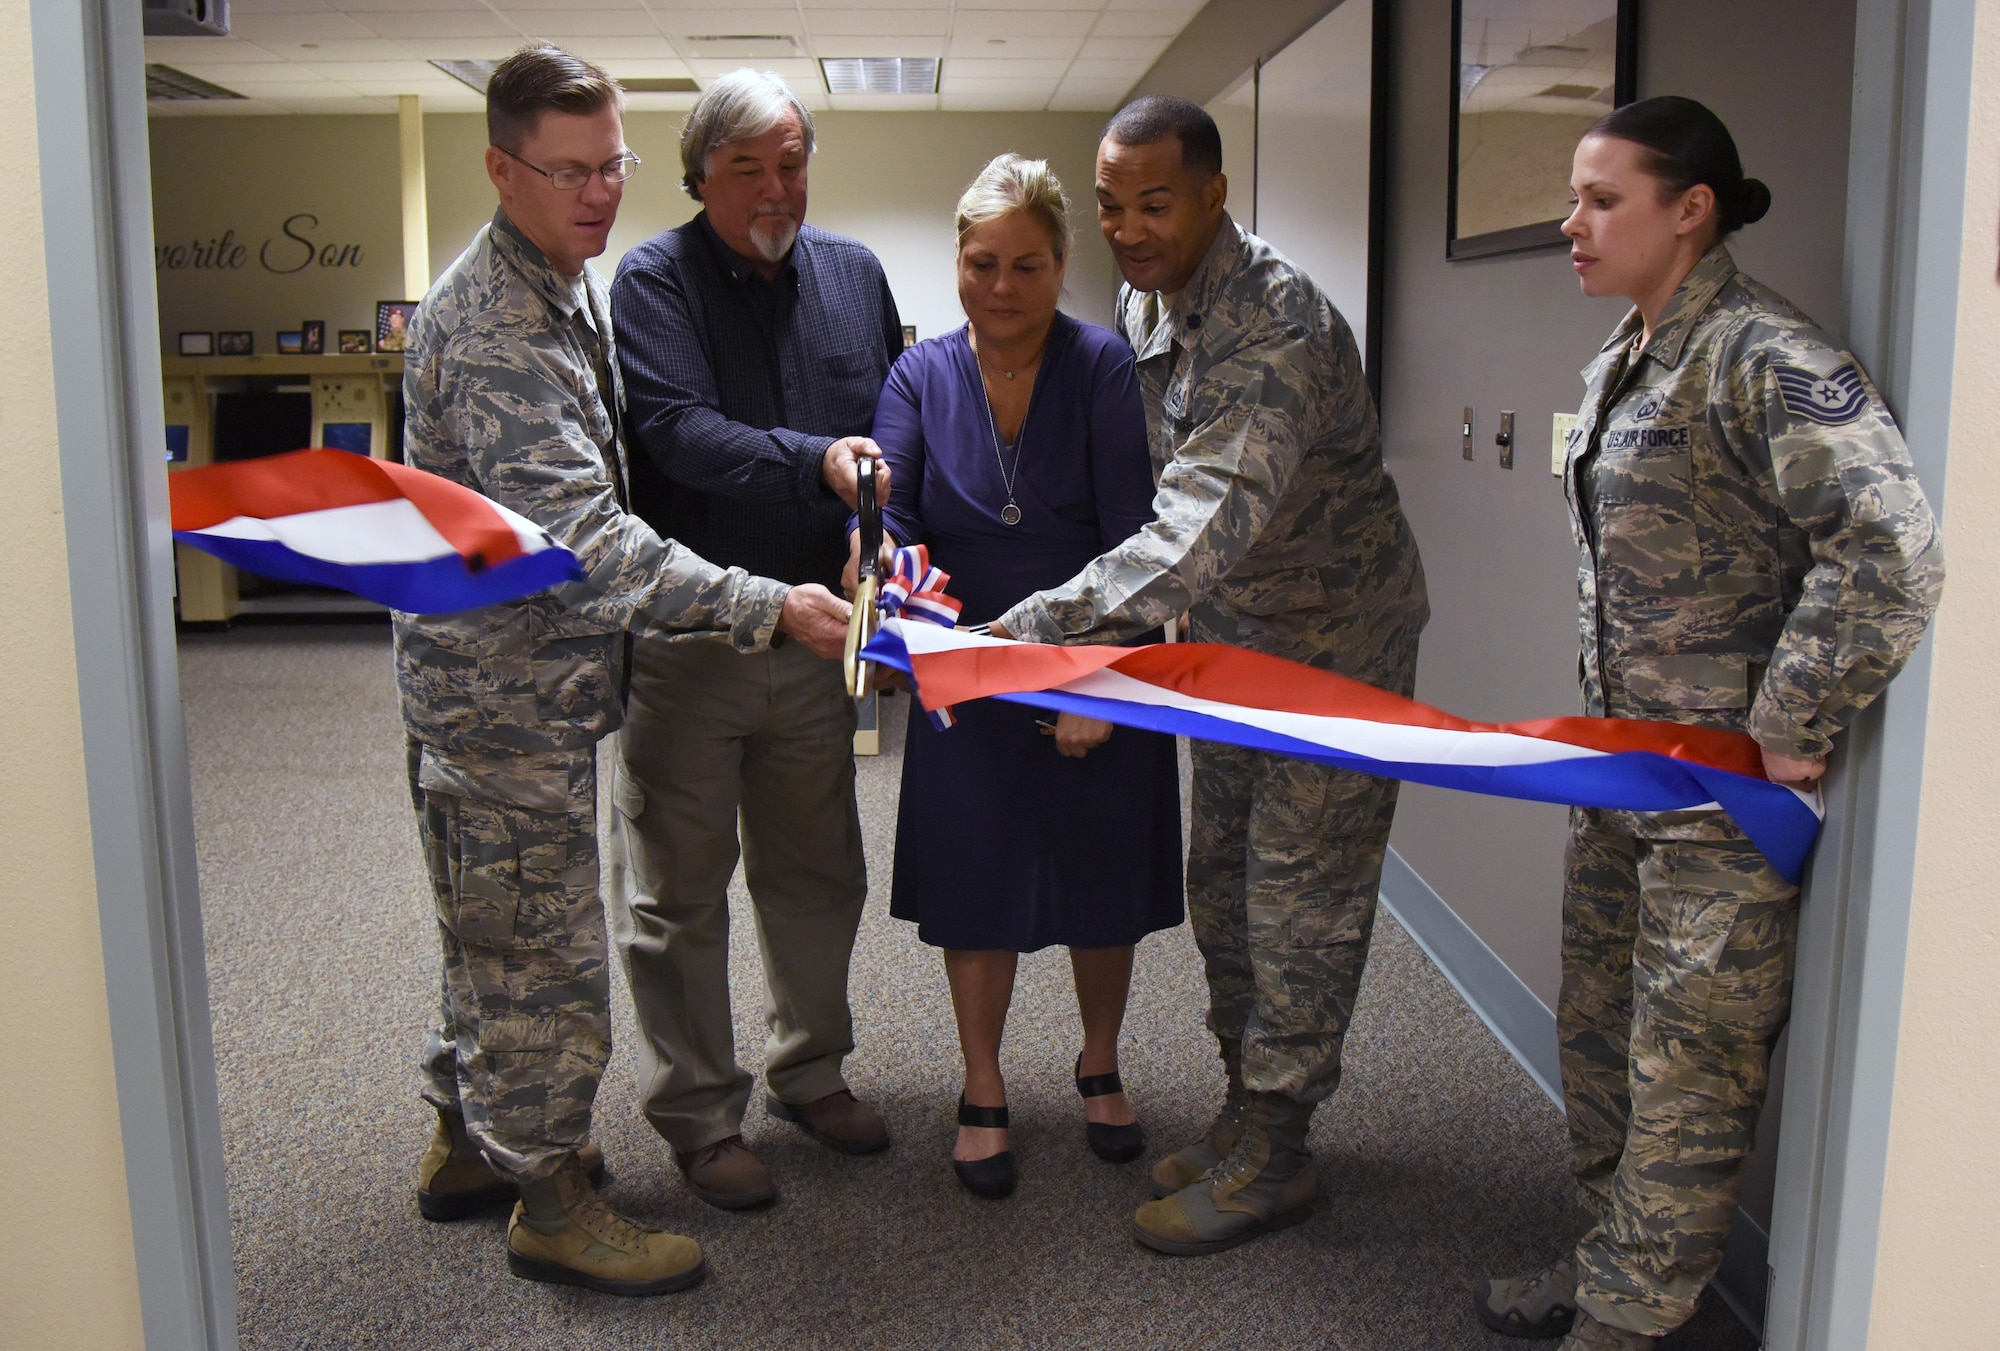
<point x="915" y="591"/>
<point x="1225" y="694"/>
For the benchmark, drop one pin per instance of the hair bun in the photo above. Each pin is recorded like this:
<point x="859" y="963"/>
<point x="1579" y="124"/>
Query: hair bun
<point x="1753" y="199"/>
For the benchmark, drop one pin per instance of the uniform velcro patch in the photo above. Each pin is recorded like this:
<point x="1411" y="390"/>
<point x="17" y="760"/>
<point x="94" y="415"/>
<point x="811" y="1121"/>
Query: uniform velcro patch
<point x="1834" y="399"/>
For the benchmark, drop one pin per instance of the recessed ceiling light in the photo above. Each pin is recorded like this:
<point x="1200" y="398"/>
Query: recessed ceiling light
<point x="473" y="73"/>
<point x="880" y="74"/>
<point x="164" y="82"/>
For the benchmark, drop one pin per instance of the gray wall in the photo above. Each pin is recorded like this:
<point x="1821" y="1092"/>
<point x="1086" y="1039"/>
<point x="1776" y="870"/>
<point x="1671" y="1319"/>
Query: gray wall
<point x="1512" y="333"/>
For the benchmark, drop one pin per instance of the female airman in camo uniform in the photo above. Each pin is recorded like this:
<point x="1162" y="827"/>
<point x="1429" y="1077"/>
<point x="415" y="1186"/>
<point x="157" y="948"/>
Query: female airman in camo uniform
<point x="1756" y="555"/>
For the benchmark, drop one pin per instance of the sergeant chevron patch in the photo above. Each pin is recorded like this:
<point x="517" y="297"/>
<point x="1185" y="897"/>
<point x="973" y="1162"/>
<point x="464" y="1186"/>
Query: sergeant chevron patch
<point x="1835" y="399"/>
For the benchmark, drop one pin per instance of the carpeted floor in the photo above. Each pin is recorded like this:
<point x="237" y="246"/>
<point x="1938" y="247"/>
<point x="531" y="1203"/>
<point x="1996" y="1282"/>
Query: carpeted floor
<point x="1444" y="1163"/>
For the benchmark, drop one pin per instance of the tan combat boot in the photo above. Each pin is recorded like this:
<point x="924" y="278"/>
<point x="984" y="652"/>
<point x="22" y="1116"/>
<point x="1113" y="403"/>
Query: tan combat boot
<point x="566" y="1233"/>
<point x="1541" y="1305"/>
<point x="454" y="1181"/>
<point x="1180" y="1170"/>
<point x="1267" y="1183"/>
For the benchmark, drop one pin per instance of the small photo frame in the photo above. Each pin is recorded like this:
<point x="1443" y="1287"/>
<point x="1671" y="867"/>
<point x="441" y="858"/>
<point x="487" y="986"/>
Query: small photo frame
<point x="355" y="342"/>
<point x="235" y="344"/>
<point x="197" y="344"/>
<point x="312" y="333"/>
<point x="909" y="336"/>
<point x="291" y="343"/>
<point x="392" y="324"/>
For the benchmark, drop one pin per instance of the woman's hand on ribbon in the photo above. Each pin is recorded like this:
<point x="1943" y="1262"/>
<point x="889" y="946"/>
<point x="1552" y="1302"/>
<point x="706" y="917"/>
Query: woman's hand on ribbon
<point x="1803" y="775"/>
<point x="1077" y="736"/>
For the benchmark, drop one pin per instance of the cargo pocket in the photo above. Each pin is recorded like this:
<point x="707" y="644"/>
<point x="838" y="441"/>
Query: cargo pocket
<point x="482" y="898"/>
<point x="573" y="679"/>
<point x="1684" y="681"/>
<point x="1710" y="1139"/>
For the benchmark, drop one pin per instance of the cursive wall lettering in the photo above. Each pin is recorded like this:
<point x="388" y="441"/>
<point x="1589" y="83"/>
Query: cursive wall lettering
<point x="295" y="251"/>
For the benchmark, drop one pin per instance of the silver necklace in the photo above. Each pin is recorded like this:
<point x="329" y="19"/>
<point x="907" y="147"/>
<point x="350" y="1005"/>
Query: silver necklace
<point x="1011" y="513"/>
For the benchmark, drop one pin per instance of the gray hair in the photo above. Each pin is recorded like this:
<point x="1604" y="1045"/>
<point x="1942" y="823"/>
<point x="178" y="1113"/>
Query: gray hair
<point x="1010" y="183"/>
<point x="739" y="106"/>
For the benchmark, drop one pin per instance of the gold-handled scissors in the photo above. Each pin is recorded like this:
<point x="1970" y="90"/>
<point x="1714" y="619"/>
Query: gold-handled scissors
<point x="866" y="619"/>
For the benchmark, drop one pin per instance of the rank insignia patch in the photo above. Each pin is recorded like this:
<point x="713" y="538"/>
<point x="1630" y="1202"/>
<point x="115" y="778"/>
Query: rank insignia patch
<point x="1834" y="399"/>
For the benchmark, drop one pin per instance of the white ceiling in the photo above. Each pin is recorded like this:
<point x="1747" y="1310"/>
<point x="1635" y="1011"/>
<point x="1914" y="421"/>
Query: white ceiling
<point x="356" y="56"/>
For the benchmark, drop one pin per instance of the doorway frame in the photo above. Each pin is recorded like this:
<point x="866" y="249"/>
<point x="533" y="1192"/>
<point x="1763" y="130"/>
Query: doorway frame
<point x="1912" y="101"/>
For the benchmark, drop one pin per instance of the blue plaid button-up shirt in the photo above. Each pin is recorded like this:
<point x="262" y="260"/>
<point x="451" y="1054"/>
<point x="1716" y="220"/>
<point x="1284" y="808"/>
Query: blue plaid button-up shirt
<point x="735" y="386"/>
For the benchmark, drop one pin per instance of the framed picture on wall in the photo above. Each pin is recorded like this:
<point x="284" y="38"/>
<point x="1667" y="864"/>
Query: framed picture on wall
<point x="1531" y="77"/>
<point x="312" y="333"/>
<point x="355" y="342"/>
<point x="909" y="336"/>
<point x="197" y="344"/>
<point x="235" y="344"/>
<point x="392" y="323"/>
<point x="291" y="343"/>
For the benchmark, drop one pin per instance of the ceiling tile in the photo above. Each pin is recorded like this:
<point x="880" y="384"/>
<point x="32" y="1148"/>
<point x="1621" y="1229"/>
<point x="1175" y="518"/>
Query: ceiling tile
<point x="646" y="68"/>
<point x="359" y="7"/>
<point x="432" y="23"/>
<point x="242" y="79"/>
<point x="281" y="7"/>
<point x="883" y="103"/>
<point x="903" y="23"/>
<point x="878" y="46"/>
<point x="1008" y="24"/>
<point x="988" y="101"/>
<point x="372" y="70"/>
<point x="1124" y="49"/>
<point x="654" y="48"/>
<point x="464" y="49"/>
<point x="990" y="68"/>
<point x="1183" y="7"/>
<point x="178" y="52"/>
<point x="813" y="6"/>
<point x="296" y="27"/>
<point x="1086" y="6"/>
<point x="1066" y="100"/>
<point x="508" y="6"/>
<point x="1139" y="23"/>
<point x="1048" y="48"/>
<point x="1129" y="71"/>
<point x="768" y="19"/>
<point x="1032" y="92"/>
<point x="375" y="49"/>
<point x="555" y="24"/>
<point x="799" y="72"/>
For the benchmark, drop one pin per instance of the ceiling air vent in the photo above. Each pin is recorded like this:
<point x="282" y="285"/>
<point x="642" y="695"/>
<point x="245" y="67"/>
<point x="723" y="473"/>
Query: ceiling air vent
<point x="743" y="46"/>
<point x="164" y="82"/>
<point x="880" y="74"/>
<point x="675" y="85"/>
<point x="473" y="73"/>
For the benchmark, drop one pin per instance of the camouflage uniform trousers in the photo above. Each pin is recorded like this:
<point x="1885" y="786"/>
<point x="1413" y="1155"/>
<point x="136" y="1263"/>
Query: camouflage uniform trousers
<point x="1284" y="866"/>
<point x="1677" y="978"/>
<point x="526" y="1020"/>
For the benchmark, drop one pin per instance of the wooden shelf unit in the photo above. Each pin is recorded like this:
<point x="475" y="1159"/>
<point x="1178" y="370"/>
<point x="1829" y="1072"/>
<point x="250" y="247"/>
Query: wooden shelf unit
<point x="348" y="391"/>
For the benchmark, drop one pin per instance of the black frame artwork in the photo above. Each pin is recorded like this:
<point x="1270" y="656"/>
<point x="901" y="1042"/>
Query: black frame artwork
<point x="236" y="343"/>
<point x="1539" y="234"/>
<point x="384" y="329"/>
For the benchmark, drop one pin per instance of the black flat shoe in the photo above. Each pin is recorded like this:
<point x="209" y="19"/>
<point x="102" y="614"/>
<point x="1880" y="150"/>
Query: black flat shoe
<point x="1113" y="1144"/>
<point x="992" y="1177"/>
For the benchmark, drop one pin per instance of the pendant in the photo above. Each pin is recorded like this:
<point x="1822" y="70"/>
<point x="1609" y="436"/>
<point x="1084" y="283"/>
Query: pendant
<point x="1011" y="514"/>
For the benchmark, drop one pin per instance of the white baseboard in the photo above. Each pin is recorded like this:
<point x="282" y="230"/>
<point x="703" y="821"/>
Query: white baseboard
<point x="1523" y="1023"/>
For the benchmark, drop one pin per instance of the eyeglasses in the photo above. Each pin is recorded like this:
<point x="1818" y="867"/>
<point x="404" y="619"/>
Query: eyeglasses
<point x="572" y="177"/>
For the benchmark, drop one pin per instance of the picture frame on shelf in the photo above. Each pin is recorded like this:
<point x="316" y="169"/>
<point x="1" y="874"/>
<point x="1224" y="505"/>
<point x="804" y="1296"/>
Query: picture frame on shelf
<point x="356" y="342"/>
<point x="392" y="323"/>
<point x="1530" y="79"/>
<point x="236" y="343"/>
<point x="291" y="343"/>
<point x="312" y="334"/>
<point x="197" y="344"/>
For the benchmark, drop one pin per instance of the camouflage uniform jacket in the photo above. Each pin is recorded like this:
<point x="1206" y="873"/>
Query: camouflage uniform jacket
<point x="1756" y="552"/>
<point x="1275" y="519"/>
<point x="501" y="385"/>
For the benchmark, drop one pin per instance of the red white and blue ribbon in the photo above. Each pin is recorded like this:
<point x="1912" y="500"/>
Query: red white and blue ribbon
<point x="1225" y="694"/>
<point x="401" y="537"/>
<point x="915" y="591"/>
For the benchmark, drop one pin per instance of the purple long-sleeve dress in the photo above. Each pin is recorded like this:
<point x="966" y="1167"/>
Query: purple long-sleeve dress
<point x="1001" y="842"/>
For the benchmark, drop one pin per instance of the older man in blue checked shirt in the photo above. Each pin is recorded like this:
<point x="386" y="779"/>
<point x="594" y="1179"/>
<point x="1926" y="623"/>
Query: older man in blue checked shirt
<point x="753" y="349"/>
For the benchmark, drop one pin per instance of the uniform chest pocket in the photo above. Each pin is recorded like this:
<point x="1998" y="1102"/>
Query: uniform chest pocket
<point x="1641" y="495"/>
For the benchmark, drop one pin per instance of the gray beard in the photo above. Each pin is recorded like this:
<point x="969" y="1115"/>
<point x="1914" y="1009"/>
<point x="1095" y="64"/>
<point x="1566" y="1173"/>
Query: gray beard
<point x="774" y="236"/>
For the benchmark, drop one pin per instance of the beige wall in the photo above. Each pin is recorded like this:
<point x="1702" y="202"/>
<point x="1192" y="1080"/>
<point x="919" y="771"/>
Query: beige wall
<point x="888" y="179"/>
<point x="1939" y="1260"/>
<point x="66" y="1269"/>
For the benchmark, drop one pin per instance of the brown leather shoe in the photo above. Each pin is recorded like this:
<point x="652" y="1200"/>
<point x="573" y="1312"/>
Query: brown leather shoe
<point x="454" y="1181"/>
<point x="840" y="1121"/>
<point x="728" y="1175"/>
